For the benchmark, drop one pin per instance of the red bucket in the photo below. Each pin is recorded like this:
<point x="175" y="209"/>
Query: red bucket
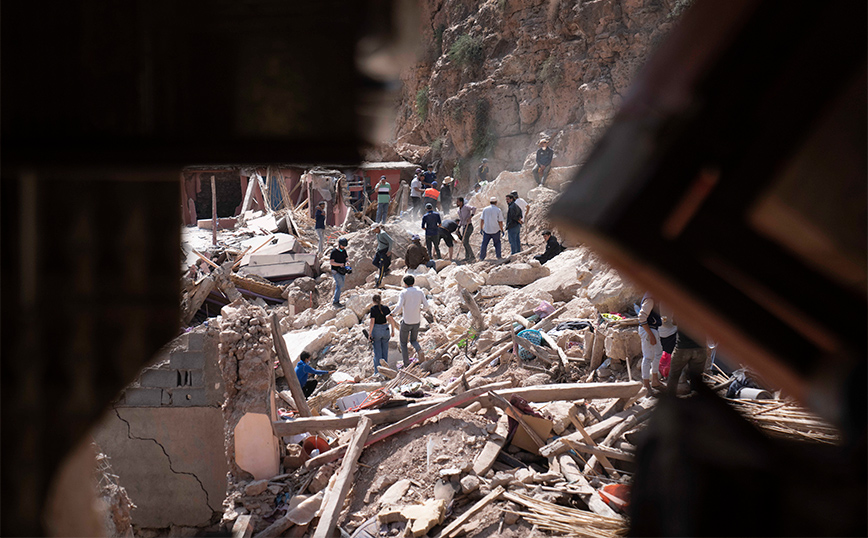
<point x="314" y="442"/>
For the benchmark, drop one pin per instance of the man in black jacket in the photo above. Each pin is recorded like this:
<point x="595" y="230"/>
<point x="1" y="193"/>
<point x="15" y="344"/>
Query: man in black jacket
<point x="544" y="157"/>
<point x="513" y="224"/>
<point x="553" y="248"/>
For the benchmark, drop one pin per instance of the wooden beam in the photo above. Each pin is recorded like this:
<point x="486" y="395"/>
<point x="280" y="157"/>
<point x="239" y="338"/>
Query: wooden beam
<point x="288" y="371"/>
<point x="607" y="465"/>
<point x="486" y="458"/>
<point x="568" y="391"/>
<point x="479" y="366"/>
<point x="598" y="451"/>
<point x="558" y="446"/>
<point x="478" y="322"/>
<point x="539" y="352"/>
<point x="198" y="297"/>
<point x="450" y="529"/>
<point x="349" y="420"/>
<point x="334" y="500"/>
<point x="412" y="420"/>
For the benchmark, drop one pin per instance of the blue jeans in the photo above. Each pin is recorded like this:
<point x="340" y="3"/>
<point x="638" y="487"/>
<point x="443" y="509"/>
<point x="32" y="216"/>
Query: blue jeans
<point x="380" y="336"/>
<point x="339" y="284"/>
<point x="382" y="212"/>
<point x="485" y="239"/>
<point x="514" y="235"/>
<point x="408" y="334"/>
<point x="433" y="242"/>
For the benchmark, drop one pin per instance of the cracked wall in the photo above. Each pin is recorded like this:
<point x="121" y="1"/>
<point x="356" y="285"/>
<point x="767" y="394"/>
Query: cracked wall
<point x="170" y="457"/>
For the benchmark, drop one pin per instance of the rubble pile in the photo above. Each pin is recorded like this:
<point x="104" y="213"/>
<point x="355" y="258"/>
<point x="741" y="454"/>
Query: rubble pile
<point x="521" y="411"/>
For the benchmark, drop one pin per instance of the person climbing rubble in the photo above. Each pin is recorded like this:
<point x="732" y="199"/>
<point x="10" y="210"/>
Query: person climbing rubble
<point x="383" y="257"/>
<point x="303" y="370"/>
<point x="445" y="231"/>
<point x="491" y="223"/>
<point x="431" y="224"/>
<point x="382" y="328"/>
<point x="416" y="254"/>
<point x="338" y="260"/>
<point x="465" y="227"/>
<point x="544" y="156"/>
<point x="410" y="303"/>
<point x="652" y="349"/>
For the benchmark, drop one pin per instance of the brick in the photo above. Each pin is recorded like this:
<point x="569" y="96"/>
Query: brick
<point x="195" y="341"/>
<point x="167" y="397"/>
<point x="143" y="397"/>
<point x="159" y="378"/>
<point x="189" y="398"/>
<point x="197" y="378"/>
<point x="188" y="360"/>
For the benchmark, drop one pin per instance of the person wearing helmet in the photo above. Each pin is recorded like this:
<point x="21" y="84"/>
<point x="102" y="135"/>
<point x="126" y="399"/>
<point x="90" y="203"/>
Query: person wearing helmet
<point x="431" y="224"/>
<point x="338" y="260"/>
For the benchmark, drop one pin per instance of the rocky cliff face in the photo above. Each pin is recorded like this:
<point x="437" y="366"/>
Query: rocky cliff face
<point x="495" y="76"/>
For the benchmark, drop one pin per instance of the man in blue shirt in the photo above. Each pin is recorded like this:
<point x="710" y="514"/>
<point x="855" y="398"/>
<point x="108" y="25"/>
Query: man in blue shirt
<point x="302" y="370"/>
<point x="431" y="223"/>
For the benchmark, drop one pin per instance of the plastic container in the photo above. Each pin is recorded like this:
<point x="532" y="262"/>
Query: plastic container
<point x="748" y="393"/>
<point x="314" y="442"/>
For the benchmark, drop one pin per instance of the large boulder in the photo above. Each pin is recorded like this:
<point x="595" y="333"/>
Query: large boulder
<point x="561" y="282"/>
<point x="506" y="182"/>
<point x="345" y="319"/>
<point x="465" y="277"/>
<point x="517" y="274"/>
<point x="623" y="344"/>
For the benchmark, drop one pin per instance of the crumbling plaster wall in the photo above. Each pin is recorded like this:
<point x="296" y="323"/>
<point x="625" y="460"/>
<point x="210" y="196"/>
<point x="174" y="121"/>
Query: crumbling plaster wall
<point x="165" y="441"/>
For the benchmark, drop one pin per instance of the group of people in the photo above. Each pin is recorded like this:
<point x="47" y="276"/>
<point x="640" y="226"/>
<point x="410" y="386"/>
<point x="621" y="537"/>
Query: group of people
<point x="659" y="334"/>
<point x="425" y="190"/>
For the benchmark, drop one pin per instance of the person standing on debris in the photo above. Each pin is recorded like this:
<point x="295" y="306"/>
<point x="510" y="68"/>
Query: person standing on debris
<point x="302" y="370"/>
<point x="379" y="330"/>
<point x="446" y="195"/>
<point x="491" y="222"/>
<point x="429" y="176"/>
<point x="465" y="227"/>
<point x="649" y="322"/>
<point x="522" y="204"/>
<point x="431" y="195"/>
<point x="553" y="248"/>
<point x="319" y="217"/>
<point x="431" y="224"/>
<point x="513" y="224"/>
<point x="544" y="156"/>
<point x="383" y="198"/>
<point x="339" y="268"/>
<point x="445" y="231"/>
<point x="668" y="333"/>
<point x="417" y="255"/>
<point x="383" y="257"/>
<point x="411" y="302"/>
<point x="687" y="354"/>
<point x="482" y="173"/>
<point x="416" y="191"/>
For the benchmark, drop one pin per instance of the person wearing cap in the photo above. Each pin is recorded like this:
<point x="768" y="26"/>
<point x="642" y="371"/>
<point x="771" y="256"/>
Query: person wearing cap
<point x="383" y="257"/>
<point x="553" y="248"/>
<point x="522" y="204"/>
<point x="513" y="224"/>
<point x="338" y="260"/>
<point x="544" y="156"/>
<point x="431" y="195"/>
<point x="431" y="224"/>
<point x="416" y="254"/>
<point x="319" y="217"/>
<point x="416" y="191"/>
<point x="446" y="194"/>
<point x="383" y="198"/>
<point x="482" y="173"/>
<point x="465" y="227"/>
<point x="491" y="222"/>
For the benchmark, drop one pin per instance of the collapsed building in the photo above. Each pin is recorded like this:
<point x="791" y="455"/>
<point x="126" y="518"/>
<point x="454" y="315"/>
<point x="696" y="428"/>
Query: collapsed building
<point x="524" y="411"/>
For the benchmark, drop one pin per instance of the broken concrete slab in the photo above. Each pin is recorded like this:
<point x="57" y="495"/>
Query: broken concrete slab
<point x="422" y="517"/>
<point x="517" y="274"/>
<point x="256" y="447"/>
<point x="311" y="341"/>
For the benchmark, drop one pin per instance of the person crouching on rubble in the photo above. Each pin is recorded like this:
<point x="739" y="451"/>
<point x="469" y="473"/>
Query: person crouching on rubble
<point x="382" y="328"/>
<point x="553" y="248"/>
<point x="302" y="370"/>
<point x="410" y="303"/>
<point x="649" y="322"/>
<point x="417" y="255"/>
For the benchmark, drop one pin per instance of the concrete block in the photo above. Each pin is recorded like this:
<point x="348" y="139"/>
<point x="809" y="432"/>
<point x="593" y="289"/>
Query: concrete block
<point x="187" y="360"/>
<point x="195" y="341"/>
<point x="143" y="397"/>
<point x="162" y="378"/>
<point x="167" y="397"/>
<point x="197" y="378"/>
<point x="189" y="398"/>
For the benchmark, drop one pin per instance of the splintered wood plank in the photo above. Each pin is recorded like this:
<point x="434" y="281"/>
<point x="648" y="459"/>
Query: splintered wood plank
<point x="486" y="458"/>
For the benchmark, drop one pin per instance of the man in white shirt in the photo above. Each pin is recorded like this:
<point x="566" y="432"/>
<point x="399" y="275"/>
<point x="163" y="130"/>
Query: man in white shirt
<point x="416" y="192"/>
<point x="521" y="203"/>
<point x="411" y="302"/>
<point x="491" y="223"/>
